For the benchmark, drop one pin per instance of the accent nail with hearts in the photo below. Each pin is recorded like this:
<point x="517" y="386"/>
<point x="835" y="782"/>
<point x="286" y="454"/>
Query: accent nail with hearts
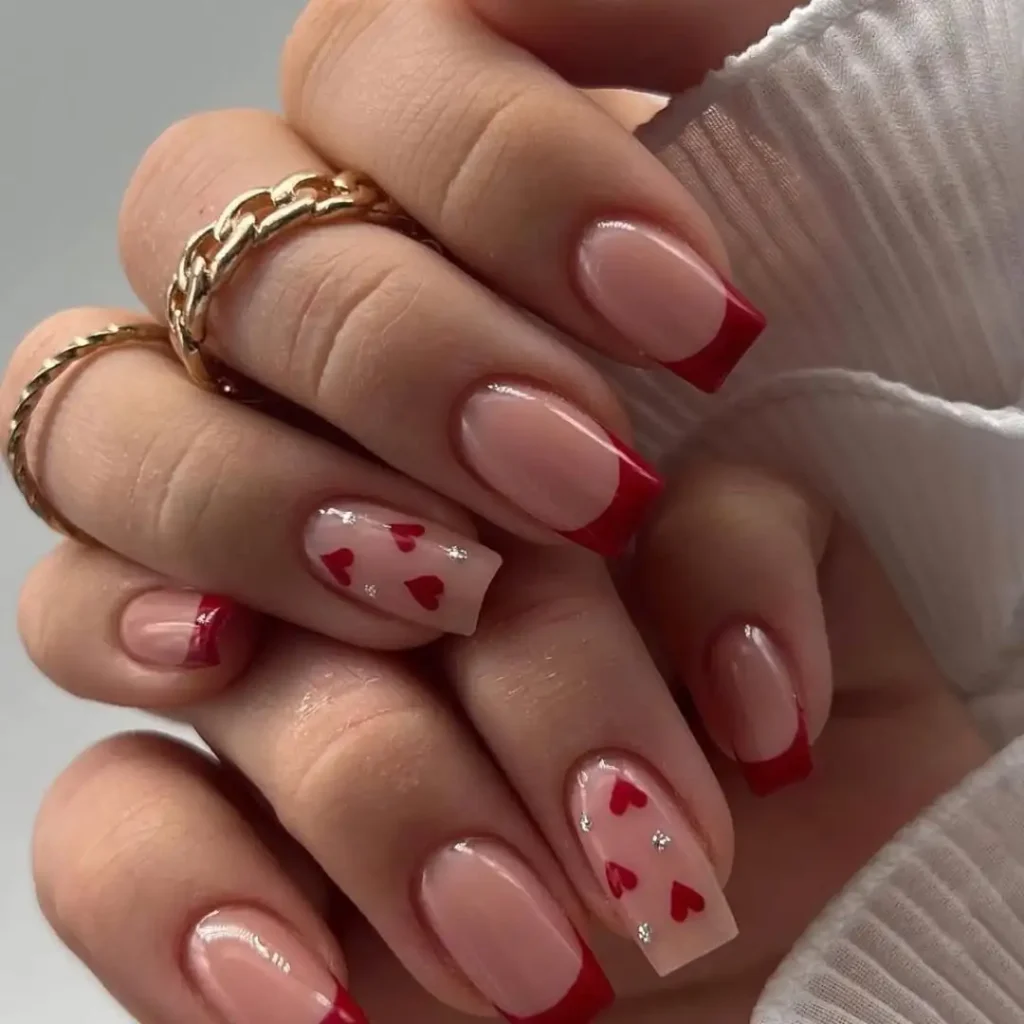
<point x="557" y="464"/>
<point x="402" y="565"/>
<point x="650" y="861"/>
<point x="509" y="936"/>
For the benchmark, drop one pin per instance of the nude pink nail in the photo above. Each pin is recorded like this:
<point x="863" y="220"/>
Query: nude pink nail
<point x="178" y="628"/>
<point x="253" y="970"/>
<point x="667" y="301"/>
<point x="557" y="464"/>
<point x="401" y="564"/>
<point x="750" y="678"/>
<point x="650" y="861"/>
<point x="510" y="938"/>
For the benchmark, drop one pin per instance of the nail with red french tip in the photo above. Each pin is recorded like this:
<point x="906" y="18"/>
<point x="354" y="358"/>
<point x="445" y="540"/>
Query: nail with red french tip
<point x="178" y="628"/>
<point x="510" y="938"/>
<point x="253" y="970"/>
<point x="751" y="680"/>
<point x="667" y="301"/>
<point x="558" y="465"/>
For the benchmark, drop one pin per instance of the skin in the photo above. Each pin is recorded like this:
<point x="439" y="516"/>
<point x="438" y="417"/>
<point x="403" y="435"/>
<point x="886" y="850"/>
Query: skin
<point x="138" y="808"/>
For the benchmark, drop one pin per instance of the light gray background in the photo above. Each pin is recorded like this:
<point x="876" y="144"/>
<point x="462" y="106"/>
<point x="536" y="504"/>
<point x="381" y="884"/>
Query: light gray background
<point x="85" y="86"/>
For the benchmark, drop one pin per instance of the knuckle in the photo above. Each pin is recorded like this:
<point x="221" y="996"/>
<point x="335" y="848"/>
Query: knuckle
<point x="321" y="39"/>
<point x="181" y="168"/>
<point x="501" y="130"/>
<point x="94" y="827"/>
<point x="346" y="323"/>
<point x="43" y="341"/>
<point x="391" y="743"/>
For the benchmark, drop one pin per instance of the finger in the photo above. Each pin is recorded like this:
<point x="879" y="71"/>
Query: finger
<point x="383" y="338"/>
<point x="135" y="850"/>
<point x="563" y="692"/>
<point x="375" y="776"/>
<point x="522" y="177"/>
<point x="729" y="573"/>
<point x="108" y="630"/>
<point x="663" y="45"/>
<point x="228" y="501"/>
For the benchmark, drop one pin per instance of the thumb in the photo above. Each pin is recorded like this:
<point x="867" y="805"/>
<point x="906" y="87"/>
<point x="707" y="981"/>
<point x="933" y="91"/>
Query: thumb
<point x="729" y="575"/>
<point x="661" y="45"/>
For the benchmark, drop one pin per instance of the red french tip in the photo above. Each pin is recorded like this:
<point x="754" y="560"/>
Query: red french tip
<point x="792" y="766"/>
<point x="590" y="994"/>
<point x="639" y="486"/>
<point x="214" y="615"/>
<point x="344" y="1010"/>
<point x="741" y="327"/>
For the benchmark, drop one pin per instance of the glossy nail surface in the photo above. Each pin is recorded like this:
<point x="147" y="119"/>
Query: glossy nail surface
<point x="400" y="564"/>
<point x="767" y="728"/>
<point x="510" y="938"/>
<point x="177" y="628"/>
<point x="557" y="464"/>
<point x="253" y="970"/>
<point x="650" y="862"/>
<point x="667" y="301"/>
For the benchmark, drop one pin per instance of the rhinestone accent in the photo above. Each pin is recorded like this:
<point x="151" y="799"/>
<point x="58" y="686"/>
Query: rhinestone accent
<point x="585" y="823"/>
<point x="370" y="590"/>
<point x="456" y="554"/>
<point x="347" y="516"/>
<point x="660" y="841"/>
<point x="644" y="933"/>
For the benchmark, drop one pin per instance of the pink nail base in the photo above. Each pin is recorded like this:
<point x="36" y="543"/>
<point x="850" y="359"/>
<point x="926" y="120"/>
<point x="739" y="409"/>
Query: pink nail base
<point x="709" y="368"/>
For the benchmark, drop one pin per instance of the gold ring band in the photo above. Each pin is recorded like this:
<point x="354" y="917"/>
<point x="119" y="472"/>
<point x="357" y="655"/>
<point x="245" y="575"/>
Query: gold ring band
<point x="213" y="255"/>
<point x="17" y="455"/>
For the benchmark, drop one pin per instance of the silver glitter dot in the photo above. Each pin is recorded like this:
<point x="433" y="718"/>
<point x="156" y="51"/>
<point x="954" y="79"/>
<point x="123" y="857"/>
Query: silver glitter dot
<point x="660" y="841"/>
<point x="457" y="554"/>
<point x="347" y="516"/>
<point x="370" y="591"/>
<point x="644" y="934"/>
<point x="585" y="823"/>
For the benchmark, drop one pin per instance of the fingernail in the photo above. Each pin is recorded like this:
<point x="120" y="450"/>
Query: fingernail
<point x="650" y="862"/>
<point x="178" y="628"/>
<point x="253" y="970"/>
<point x="749" y="676"/>
<point x="671" y="304"/>
<point x="510" y="938"/>
<point x="558" y="465"/>
<point x="402" y="565"/>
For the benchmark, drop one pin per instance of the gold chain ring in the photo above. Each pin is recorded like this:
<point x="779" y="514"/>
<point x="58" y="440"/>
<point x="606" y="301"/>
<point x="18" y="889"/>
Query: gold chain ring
<point x="213" y="255"/>
<point x="31" y="395"/>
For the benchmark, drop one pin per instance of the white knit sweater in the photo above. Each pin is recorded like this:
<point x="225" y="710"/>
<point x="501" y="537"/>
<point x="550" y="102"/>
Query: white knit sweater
<point x="865" y="163"/>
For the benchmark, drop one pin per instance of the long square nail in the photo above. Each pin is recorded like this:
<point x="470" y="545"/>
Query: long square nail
<point x="650" y="862"/>
<point x="558" y="465"/>
<point x="510" y="938"/>
<point x="401" y="564"/>
<point x="666" y="301"/>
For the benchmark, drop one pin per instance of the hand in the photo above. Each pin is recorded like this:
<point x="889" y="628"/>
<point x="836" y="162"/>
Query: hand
<point x="347" y="768"/>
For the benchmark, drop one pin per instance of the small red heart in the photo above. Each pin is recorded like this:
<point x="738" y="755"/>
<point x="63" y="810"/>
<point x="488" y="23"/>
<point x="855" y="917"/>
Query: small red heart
<point x="620" y="879"/>
<point x="685" y="899"/>
<point x="624" y="796"/>
<point x="427" y="590"/>
<point x="338" y="563"/>
<point x="405" y="535"/>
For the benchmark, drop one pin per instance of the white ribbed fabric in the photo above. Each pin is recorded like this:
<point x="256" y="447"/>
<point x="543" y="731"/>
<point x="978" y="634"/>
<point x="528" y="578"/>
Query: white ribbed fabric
<point x="865" y="163"/>
<point x="932" y="932"/>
